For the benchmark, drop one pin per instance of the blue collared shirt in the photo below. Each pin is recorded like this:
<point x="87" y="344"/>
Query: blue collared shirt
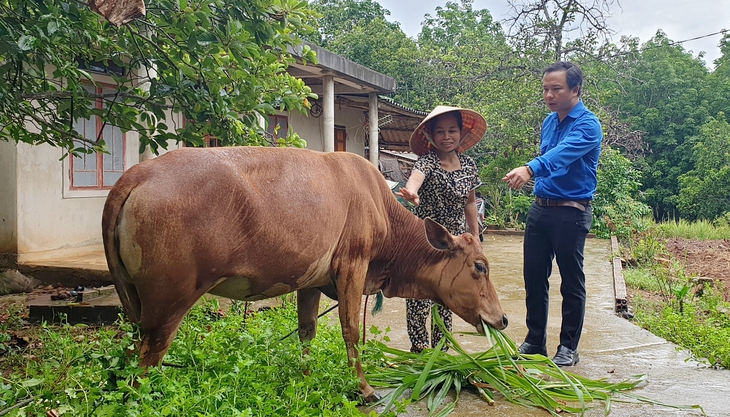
<point x="569" y="152"/>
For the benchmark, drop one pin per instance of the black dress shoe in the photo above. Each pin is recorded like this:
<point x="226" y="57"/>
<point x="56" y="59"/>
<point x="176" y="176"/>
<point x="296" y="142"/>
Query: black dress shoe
<point x="566" y="357"/>
<point x="530" y="349"/>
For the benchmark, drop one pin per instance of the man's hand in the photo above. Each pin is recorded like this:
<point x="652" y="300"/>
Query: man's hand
<point x="517" y="178"/>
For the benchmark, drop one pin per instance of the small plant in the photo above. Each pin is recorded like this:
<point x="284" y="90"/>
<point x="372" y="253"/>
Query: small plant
<point x="646" y="249"/>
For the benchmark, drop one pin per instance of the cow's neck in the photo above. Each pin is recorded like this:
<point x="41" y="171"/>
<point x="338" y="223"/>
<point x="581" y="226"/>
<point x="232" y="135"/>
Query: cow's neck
<point x="402" y="254"/>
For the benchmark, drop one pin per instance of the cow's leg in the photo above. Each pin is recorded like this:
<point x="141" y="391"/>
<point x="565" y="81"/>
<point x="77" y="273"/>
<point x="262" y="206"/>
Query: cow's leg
<point x="350" y="287"/>
<point x="161" y="318"/>
<point x="307" y="311"/>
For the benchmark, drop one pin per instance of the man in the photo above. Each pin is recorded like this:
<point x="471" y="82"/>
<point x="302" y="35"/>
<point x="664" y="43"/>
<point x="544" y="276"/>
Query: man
<point x="561" y="216"/>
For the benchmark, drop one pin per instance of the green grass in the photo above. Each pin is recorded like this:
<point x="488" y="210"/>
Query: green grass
<point x="218" y="365"/>
<point x="697" y="319"/>
<point x="701" y="229"/>
<point x="640" y="279"/>
<point x="675" y="308"/>
<point x="702" y="327"/>
<point x="225" y="364"/>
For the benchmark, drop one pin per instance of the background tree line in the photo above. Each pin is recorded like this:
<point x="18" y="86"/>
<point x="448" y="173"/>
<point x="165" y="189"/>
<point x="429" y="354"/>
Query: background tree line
<point x="665" y="115"/>
<point x="223" y="62"/>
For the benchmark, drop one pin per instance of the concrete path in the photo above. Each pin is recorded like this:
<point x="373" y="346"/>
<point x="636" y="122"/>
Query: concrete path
<point x="611" y="347"/>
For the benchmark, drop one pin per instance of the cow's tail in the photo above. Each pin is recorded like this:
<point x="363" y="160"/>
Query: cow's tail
<point x="110" y="219"/>
<point x="378" y="307"/>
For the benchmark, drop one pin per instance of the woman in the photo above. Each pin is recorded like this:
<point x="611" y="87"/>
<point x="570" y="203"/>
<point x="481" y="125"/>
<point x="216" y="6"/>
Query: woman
<point x="441" y="186"/>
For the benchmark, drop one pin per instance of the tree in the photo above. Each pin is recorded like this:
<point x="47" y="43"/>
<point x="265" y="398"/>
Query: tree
<point x="705" y="191"/>
<point x="670" y="109"/>
<point x="218" y="62"/>
<point x="336" y="19"/>
<point x="540" y="27"/>
<point x="359" y="31"/>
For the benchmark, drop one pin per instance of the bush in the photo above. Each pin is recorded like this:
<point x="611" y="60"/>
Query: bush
<point x="615" y="209"/>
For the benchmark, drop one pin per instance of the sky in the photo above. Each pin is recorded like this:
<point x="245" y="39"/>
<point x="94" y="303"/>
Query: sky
<point x="679" y="19"/>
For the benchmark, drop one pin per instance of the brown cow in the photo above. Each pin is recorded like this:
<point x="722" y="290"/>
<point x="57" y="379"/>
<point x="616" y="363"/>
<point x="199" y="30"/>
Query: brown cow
<point x="252" y="223"/>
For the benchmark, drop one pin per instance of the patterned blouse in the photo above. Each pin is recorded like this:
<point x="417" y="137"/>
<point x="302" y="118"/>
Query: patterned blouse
<point x="444" y="194"/>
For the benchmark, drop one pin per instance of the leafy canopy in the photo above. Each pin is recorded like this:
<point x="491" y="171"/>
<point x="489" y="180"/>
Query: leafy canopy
<point x="219" y="63"/>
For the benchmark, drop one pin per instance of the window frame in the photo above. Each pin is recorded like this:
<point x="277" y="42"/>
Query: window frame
<point x="273" y="120"/>
<point x="99" y="188"/>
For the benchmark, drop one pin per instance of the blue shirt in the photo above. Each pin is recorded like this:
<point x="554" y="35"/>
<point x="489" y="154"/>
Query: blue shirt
<point x="569" y="151"/>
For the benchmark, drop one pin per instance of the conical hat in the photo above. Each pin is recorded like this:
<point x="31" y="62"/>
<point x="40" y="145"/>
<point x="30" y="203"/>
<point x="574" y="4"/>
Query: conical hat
<point x="473" y="128"/>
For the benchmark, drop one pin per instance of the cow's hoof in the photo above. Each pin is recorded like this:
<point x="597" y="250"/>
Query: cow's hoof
<point x="372" y="398"/>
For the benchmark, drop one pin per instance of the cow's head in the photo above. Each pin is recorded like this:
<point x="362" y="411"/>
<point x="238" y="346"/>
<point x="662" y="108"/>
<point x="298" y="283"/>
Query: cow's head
<point x="461" y="280"/>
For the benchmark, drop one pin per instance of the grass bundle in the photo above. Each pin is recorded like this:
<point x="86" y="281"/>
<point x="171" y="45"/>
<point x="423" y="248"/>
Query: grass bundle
<point x="526" y="380"/>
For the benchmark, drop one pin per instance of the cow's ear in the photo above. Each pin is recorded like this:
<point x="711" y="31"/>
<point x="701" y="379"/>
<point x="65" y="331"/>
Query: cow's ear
<point x="438" y="236"/>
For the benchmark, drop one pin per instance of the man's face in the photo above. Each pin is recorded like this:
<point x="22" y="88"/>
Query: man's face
<point x="557" y="95"/>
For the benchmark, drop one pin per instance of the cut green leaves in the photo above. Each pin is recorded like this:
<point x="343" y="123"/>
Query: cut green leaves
<point x="501" y="372"/>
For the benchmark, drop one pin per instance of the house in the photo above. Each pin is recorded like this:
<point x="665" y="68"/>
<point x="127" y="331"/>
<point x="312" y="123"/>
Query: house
<point x="50" y="209"/>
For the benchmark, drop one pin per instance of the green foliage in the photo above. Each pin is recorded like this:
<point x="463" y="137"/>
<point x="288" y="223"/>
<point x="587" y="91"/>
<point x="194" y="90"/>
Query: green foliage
<point x="219" y="63"/>
<point x="615" y="208"/>
<point x="526" y="380"/>
<point x="723" y="223"/>
<point x="661" y="91"/>
<point x="645" y="248"/>
<point x="705" y="190"/>
<point x="642" y="279"/>
<point x="221" y="364"/>
<point x="359" y="31"/>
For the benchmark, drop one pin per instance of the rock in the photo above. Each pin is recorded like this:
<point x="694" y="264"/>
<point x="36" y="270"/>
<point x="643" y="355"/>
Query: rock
<point x="13" y="282"/>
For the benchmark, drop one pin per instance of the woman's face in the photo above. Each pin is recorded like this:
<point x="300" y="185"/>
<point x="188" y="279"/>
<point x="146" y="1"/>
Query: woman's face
<point x="446" y="133"/>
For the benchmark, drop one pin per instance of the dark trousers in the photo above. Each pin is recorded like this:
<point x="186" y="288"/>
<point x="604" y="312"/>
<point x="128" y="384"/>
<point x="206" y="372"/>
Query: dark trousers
<point x="555" y="233"/>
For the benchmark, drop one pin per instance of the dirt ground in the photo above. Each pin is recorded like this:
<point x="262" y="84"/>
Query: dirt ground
<point x="704" y="258"/>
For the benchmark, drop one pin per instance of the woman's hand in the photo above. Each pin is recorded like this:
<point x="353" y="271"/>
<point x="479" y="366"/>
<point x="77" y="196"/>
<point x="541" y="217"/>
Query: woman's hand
<point x="408" y="195"/>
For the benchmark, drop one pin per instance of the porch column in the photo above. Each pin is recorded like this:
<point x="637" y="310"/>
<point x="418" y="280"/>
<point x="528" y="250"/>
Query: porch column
<point x="373" y="122"/>
<point x="147" y="73"/>
<point x="328" y="114"/>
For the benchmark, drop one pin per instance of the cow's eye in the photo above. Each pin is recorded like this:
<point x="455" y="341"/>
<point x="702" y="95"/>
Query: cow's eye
<point x="481" y="267"/>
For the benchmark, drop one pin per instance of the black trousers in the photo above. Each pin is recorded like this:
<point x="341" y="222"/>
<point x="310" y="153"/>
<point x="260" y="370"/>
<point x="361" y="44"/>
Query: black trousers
<point x="555" y="233"/>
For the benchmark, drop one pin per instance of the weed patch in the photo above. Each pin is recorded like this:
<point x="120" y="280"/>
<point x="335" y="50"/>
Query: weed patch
<point x="222" y="364"/>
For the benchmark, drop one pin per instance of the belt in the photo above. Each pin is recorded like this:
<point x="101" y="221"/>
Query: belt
<point x="549" y="202"/>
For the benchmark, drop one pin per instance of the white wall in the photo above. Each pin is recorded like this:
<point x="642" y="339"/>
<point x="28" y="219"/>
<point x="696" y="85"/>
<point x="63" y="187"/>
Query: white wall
<point x="354" y="123"/>
<point x="50" y="215"/>
<point x="46" y="219"/>
<point x="310" y="129"/>
<point x="8" y="212"/>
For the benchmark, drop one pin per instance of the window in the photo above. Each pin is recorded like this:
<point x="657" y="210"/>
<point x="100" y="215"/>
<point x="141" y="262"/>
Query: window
<point x="209" y="141"/>
<point x="98" y="170"/>
<point x="283" y="127"/>
<point x="212" y="141"/>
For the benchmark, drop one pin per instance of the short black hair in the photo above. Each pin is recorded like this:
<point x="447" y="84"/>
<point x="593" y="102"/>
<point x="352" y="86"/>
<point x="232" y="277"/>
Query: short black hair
<point x="573" y="73"/>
